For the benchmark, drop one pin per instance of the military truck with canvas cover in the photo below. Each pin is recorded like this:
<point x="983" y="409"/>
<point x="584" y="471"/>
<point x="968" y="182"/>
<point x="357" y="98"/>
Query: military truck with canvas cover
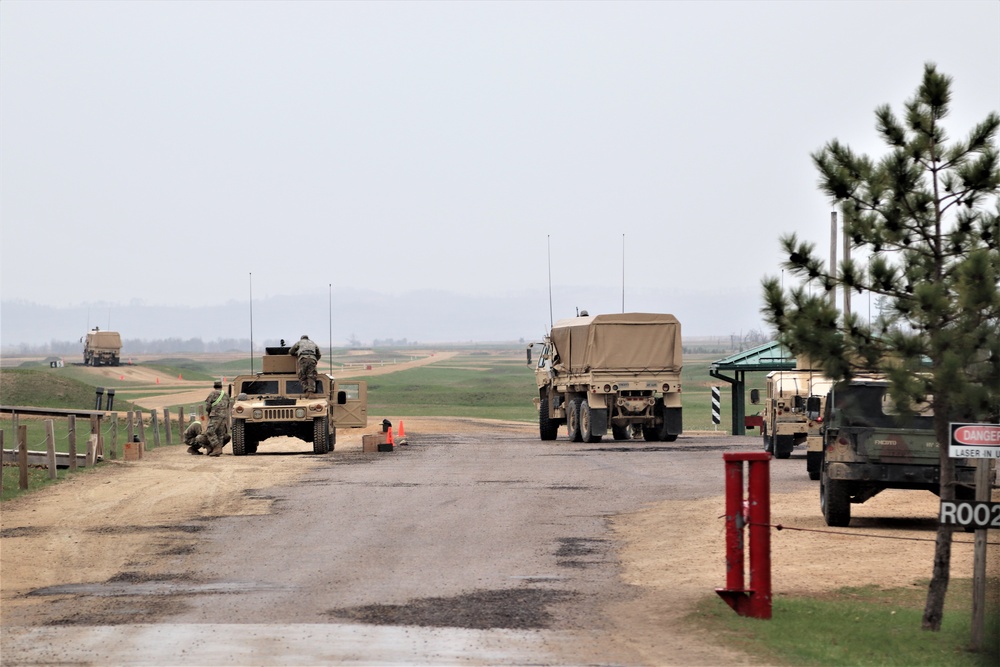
<point x="272" y="403"/>
<point x="620" y="372"/>
<point x="793" y="413"/>
<point x="869" y="447"/>
<point x="102" y="348"/>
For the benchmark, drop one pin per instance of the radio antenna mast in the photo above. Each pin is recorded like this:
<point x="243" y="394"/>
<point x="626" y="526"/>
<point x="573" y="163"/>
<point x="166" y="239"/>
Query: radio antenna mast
<point x="623" y="273"/>
<point x="548" y="242"/>
<point x="251" y="323"/>
<point x="331" y="328"/>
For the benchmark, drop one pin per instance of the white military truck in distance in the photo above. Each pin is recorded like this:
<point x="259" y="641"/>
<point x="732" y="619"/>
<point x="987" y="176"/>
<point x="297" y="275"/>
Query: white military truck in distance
<point x="620" y="372"/>
<point x="272" y="403"/>
<point x="102" y="348"/>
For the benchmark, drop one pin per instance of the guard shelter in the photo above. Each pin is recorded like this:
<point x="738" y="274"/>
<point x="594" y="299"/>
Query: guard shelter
<point x="764" y="358"/>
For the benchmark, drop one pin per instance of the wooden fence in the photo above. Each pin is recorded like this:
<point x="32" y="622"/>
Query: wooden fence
<point x="101" y="441"/>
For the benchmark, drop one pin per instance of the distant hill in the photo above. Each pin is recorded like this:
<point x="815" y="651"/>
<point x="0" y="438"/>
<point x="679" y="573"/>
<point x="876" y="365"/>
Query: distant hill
<point x="418" y="317"/>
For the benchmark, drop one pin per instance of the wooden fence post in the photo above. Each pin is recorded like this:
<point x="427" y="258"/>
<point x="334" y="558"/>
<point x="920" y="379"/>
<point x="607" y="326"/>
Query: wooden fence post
<point x="131" y="426"/>
<point x="91" y="451"/>
<point x="95" y="430"/>
<point x="114" y="436"/>
<point x="22" y="456"/>
<point x="180" y="422"/>
<point x="140" y="427"/>
<point x="1" y="459"/>
<point x="50" y="447"/>
<point x="166" y="424"/>
<point x="72" y="442"/>
<point x="156" y="428"/>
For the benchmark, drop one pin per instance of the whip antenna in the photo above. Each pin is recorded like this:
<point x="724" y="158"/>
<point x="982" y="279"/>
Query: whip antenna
<point x="548" y="243"/>
<point x="251" y="323"/>
<point x="331" y="328"/>
<point x="623" y="273"/>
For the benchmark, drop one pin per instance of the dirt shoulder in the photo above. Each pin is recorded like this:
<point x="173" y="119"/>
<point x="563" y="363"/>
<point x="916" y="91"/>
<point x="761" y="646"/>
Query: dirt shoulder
<point x="672" y="552"/>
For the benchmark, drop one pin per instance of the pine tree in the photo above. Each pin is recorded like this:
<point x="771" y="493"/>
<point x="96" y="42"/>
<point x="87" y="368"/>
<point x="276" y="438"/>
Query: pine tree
<point x="927" y="214"/>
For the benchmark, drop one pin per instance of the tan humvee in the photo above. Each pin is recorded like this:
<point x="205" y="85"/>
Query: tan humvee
<point x="272" y="403"/>
<point x="793" y="408"/>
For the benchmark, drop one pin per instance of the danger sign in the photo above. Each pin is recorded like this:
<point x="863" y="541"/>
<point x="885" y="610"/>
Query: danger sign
<point x="974" y="441"/>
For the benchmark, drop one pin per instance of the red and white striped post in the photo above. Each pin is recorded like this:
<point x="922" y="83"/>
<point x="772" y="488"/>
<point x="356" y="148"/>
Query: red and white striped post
<point x="754" y="601"/>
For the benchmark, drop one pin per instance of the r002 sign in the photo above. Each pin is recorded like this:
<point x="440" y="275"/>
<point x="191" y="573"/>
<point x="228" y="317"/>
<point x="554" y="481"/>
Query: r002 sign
<point x="970" y="513"/>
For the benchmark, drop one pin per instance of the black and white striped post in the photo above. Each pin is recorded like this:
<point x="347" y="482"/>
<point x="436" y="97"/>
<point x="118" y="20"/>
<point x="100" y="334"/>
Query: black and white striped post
<point x="716" y="407"/>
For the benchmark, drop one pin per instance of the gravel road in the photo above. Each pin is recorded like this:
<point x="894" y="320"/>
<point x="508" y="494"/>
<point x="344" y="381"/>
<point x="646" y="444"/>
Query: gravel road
<point x="474" y="544"/>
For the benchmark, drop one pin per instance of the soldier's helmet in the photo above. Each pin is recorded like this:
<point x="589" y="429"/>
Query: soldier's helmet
<point x="217" y="385"/>
<point x="304" y="337"/>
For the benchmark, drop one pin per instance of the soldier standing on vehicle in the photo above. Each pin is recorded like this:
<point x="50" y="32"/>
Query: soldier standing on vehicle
<point x="194" y="438"/>
<point x="306" y="355"/>
<point x="217" y="409"/>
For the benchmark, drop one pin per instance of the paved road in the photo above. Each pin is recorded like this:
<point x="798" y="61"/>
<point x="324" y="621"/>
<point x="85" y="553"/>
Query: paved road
<point x="478" y="548"/>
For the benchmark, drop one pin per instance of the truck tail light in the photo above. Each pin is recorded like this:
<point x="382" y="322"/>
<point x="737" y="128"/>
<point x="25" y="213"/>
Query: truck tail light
<point x="607" y="388"/>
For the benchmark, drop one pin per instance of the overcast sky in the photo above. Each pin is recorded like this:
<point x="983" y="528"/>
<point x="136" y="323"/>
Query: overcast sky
<point x="162" y="152"/>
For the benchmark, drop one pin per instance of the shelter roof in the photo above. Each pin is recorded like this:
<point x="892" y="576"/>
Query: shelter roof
<point x="771" y="356"/>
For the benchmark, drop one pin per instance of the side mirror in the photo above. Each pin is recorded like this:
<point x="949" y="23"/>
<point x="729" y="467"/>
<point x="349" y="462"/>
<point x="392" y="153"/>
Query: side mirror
<point x="341" y="398"/>
<point x="755" y="396"/>
<point x="528" y="350"/>
<point x="813" y="407"/>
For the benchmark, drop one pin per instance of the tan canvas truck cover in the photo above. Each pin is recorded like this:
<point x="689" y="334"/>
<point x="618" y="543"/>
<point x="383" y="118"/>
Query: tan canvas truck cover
<point x="104" y="340"/>
<point x="619" y="342"/>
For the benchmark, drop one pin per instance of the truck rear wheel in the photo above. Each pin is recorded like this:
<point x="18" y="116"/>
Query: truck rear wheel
<point x="547" y="430"/>
<point x="587" y="423"/>
<point x="650" y="434"/>
<point x="768" y="443"/>
<point x="621" y="432"/>
<point x="321" y="433"/>
<point x="835" y="501"/>
<point x="573" y="420"/>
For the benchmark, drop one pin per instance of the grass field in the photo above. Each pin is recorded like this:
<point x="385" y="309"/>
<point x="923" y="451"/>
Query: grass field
<point x="859" y="627"/>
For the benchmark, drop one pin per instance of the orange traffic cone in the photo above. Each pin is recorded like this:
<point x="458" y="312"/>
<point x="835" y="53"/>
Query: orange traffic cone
<point x="122" y="377"/>
<point x="157" y="380"/>
<point x="179" y="377"/>
<point x="402" y="434"/>
<point x="388" y="437"/>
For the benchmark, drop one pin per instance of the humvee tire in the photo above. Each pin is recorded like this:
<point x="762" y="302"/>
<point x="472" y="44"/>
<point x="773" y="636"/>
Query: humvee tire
<point x="321" y="435"/>
<point x="239" y="437"/>
<point x="547" y="430"/>
<point x="768" y="443"/>
<point x="650" y="434"/>
<point x="783" y="446"/>
<point x="834" y="501"/>
<point x="814" y="463"/>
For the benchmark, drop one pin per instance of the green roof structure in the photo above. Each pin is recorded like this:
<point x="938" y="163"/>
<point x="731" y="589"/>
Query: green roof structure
<point x="764" y="358"/>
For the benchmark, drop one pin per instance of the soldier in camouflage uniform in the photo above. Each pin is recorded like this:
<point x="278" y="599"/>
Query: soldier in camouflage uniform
<point x="194" y="438"/>
<point x="306" y="355"/>
<point x="217" y="409"/>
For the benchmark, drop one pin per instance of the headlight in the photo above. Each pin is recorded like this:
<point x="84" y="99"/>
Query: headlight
<point x="238" y="410"/>
<point x="258" y="413"/>
<point x="300" y="413"/>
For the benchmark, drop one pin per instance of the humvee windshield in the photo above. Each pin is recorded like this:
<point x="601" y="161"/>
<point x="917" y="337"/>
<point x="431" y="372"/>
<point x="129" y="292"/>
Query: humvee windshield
<point x="259" y="387"/>
<point x="295" y="387"/>
<point x="872" y="406"/>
